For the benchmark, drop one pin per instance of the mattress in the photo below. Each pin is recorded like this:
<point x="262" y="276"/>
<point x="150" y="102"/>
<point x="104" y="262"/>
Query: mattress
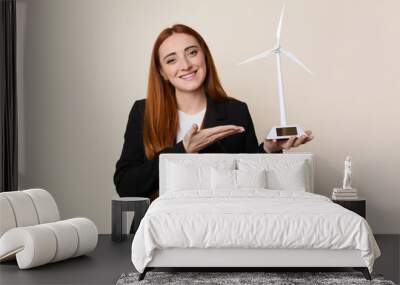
<point x="250" y="218"/>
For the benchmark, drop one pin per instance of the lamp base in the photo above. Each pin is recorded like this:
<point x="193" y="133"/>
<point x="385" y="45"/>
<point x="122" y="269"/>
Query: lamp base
<point x="284" y="132"/>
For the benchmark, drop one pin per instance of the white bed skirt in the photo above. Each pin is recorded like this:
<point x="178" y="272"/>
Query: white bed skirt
<point x="235" y="257"/>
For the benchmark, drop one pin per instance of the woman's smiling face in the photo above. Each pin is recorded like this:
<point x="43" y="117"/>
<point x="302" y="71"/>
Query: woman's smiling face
<point x="182" y="62"/>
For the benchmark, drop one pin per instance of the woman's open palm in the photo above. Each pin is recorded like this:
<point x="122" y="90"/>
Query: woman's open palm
<point x="196" y="140"/>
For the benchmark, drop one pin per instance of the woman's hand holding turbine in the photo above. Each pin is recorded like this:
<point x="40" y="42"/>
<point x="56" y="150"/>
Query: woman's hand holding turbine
<point x="278" y="145"/>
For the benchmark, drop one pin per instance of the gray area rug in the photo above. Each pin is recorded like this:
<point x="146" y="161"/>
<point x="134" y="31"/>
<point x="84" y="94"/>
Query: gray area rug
<point x="270" y="278"/>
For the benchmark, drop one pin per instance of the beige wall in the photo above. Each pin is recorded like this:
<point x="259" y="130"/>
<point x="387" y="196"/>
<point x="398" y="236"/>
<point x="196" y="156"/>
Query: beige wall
<point x="82" y="64"/>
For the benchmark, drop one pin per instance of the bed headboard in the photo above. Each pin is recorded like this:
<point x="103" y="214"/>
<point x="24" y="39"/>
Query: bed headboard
<point x="215" y="158"/>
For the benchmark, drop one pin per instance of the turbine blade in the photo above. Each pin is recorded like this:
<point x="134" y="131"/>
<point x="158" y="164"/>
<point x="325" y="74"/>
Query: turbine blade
<point x="264" y="54"/>
<point x="279" y="29"/>
<point x="296" y="60"/>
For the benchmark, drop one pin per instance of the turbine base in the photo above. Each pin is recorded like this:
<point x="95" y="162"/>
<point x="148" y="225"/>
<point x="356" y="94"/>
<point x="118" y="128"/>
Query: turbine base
<point x="284" y="132"/>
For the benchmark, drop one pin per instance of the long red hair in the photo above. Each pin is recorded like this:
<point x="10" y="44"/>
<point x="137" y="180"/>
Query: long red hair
<point x="161" y="121"/>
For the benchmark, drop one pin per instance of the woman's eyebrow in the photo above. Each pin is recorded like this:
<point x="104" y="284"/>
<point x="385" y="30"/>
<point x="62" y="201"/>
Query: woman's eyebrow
<point x="172" y="53"/>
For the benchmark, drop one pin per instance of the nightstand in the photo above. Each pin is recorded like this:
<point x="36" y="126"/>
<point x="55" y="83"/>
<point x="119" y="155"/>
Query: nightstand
<point x="138" y="205"/>
<point x="358" y="206"/>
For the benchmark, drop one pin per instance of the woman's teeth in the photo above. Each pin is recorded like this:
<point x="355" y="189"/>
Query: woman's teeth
<point x="189" y="76"/>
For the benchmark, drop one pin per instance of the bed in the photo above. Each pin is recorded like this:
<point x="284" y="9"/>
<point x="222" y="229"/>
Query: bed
<point x="247" y="211"/>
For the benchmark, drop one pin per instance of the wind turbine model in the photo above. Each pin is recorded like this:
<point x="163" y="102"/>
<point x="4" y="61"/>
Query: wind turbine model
<point x="284" y="131"/>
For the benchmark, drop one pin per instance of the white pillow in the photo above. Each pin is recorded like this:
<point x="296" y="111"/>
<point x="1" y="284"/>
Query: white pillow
<point x="282" y="174"/>
<point x="251" y="178"/>
<point x="223" y="179"/>
<point x="292" y="178"/>
<point x="188" y="175"/>
<point x="236" y="179"/>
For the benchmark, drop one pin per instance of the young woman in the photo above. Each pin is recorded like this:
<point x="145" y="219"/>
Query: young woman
<point x="186" y="111"/>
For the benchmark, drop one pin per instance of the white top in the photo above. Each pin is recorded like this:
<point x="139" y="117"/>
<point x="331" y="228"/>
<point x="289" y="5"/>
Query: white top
<point x="186" y="121"/>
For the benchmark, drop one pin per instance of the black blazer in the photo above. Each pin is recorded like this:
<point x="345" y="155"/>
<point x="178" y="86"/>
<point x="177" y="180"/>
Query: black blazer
<point x="135" y="175"/>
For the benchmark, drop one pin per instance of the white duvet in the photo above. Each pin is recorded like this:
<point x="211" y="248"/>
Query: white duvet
<point x="251" y="218"/>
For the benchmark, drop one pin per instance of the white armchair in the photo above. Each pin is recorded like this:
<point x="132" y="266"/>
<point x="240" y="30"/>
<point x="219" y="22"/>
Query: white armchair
<point x="32" y="233"/>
